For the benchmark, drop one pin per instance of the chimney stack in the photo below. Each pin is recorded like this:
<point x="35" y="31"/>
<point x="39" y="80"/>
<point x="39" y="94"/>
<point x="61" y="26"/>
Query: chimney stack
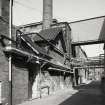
<point x="47" y="14"/>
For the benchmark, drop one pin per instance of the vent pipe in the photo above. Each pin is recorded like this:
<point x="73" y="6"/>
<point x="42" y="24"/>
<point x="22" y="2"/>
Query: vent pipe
<point x="47" y="14"/>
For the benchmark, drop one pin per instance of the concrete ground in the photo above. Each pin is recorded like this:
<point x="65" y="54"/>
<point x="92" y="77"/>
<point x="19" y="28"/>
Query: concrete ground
<point x="85" y="94"/>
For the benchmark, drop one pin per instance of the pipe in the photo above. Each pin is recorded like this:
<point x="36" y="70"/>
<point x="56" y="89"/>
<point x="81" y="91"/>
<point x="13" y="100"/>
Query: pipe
<point x="51" y="68"/>
<point x="10" y="57"/>
<point x="14" y="50"/>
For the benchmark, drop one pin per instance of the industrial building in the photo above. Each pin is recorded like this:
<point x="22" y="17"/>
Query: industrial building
<point x="45" y="57"/>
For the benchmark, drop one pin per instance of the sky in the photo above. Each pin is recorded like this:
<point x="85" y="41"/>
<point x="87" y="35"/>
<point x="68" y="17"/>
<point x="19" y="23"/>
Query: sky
<point x="93" y="50"/>
<point x="29" y="11"/>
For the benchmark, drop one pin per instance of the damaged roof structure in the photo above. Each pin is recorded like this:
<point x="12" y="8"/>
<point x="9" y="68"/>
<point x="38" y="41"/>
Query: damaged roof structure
<point x="37" y="51"/>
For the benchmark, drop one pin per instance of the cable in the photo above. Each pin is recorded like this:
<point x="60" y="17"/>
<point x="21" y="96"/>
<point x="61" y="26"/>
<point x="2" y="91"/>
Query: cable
<point x="28" y="7"/>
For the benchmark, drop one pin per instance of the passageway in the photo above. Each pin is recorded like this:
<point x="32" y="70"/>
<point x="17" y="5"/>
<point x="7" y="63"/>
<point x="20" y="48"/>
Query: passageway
<point x="89" y="94"/>
<point x="85" y="94"/>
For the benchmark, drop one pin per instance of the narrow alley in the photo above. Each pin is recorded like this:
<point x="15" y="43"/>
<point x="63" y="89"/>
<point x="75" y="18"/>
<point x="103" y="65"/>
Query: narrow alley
<point x="89" y="94"/>
<point x="86" y="94"/>
<point x="56" y="57"/>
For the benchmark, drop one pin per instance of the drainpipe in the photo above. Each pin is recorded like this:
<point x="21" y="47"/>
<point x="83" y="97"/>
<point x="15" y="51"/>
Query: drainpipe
<point x="10" y="57"/>
<point x="47" y="14"/>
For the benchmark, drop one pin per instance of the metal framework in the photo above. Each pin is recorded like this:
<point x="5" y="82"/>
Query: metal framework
<point x="89" y="62"/>
<point x="97" y="61"/>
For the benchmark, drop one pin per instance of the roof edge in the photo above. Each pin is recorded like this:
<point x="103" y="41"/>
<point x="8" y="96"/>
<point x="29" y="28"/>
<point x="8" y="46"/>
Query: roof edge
<point x="87" y="19"/>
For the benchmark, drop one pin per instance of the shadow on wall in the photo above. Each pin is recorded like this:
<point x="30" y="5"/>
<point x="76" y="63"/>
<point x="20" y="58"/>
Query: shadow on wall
<point x="88" y="95"/>
<point x="51" y="80"/>
<point x="56" y="80"/>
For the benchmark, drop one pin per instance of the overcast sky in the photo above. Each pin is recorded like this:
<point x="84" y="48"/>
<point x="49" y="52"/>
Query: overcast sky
<point x="28" y="11"/>
<point x="93" y="50"/>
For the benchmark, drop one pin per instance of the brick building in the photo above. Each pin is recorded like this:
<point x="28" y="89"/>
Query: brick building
<point x="4" y="34"/>
<point x="54" y="41"/>
<point x="40" y="58"/>
<point x="26" y="76"/>
<point x="59" y="36"/>
<point x="4" y="19"/>
<point x="27" y="71"/>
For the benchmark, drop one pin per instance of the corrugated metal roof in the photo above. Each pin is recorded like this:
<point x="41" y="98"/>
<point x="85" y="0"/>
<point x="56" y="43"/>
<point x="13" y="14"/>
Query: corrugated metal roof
<point x="48" y="34"/>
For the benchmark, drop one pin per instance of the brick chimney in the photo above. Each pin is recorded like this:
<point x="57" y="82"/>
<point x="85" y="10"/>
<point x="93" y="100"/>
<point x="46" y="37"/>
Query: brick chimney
<point x="4" y="14"/>
<point x="4" y="9"/>
<point x="47" y="14"/>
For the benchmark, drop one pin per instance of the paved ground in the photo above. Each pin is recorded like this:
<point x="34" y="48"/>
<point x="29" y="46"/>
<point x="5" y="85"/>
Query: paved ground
<point x="89" y="94"/>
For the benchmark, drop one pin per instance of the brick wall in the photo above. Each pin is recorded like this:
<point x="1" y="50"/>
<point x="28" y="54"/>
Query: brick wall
<point x="3" y="59"/>
<point x="3" y="71"/>
<point x="5" y="9"/>
<point x="20" y="84"/>
<point x="55" y="80"/>
<point x="20" y="75"/>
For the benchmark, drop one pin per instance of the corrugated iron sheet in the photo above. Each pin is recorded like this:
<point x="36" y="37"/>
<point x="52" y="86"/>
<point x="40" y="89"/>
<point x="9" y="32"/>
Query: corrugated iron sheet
<point x="48" y="34"/>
